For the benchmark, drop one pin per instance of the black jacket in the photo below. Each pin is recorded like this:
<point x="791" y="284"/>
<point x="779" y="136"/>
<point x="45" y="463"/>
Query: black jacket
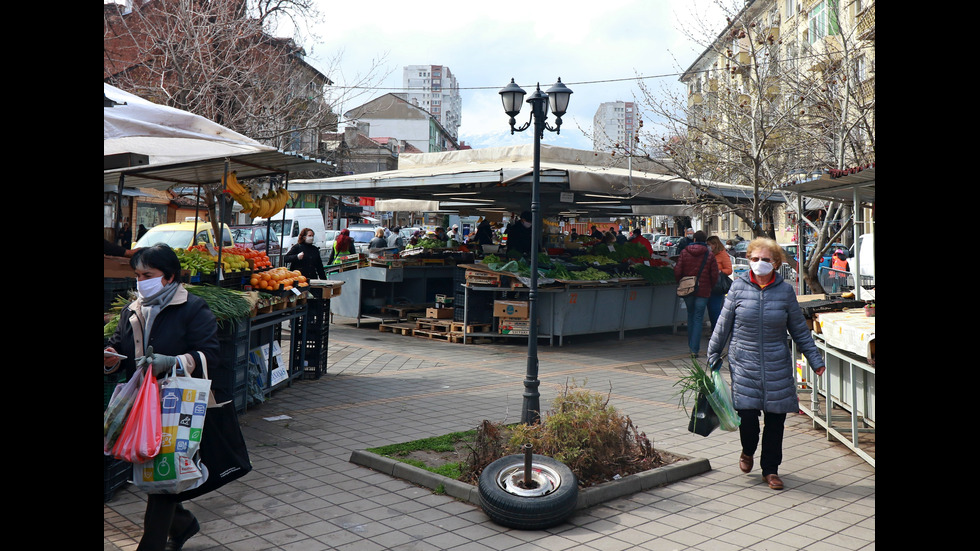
<point x="185" y="327"/>
<point x="311" y="265"/>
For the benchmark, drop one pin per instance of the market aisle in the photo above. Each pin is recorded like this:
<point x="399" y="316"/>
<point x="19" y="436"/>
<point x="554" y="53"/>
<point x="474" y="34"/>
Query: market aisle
<point x="383" y="388"/>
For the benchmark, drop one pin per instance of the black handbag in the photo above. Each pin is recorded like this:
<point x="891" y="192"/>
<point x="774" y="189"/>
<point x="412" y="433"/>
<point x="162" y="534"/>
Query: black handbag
<point x="703" y="419"/>
<point x="223" y="450"/>
<point x="723" y="285"/>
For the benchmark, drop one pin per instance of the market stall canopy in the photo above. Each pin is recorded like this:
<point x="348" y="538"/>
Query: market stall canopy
<point x="573" y="182"/>
<point x="838" y="186"/>
<point x="181" y="147"/>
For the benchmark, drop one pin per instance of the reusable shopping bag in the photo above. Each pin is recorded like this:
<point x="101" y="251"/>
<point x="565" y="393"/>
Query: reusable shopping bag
<point x="140" y="437"/>
<point x="223" y="451"/>
<point x="120" y="404"/>
<point x="720" y="400"/>
<point x="184" y="405"/>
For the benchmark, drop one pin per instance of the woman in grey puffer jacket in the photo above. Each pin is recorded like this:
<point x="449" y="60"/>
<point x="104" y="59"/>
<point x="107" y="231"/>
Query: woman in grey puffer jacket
<point x="759" y="310"/>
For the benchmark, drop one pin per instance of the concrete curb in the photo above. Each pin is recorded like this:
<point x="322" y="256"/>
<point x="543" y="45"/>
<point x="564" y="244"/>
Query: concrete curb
<point x="687" y="467"/>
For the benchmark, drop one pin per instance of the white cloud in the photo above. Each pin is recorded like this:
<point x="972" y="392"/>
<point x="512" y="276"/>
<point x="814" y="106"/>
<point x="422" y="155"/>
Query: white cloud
<point x="591" y="45"/>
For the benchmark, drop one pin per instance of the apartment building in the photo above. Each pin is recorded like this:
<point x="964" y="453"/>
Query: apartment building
<point x="434" y="88"/>
<point x="614" y="126"/>
<point x="790" y="82"/>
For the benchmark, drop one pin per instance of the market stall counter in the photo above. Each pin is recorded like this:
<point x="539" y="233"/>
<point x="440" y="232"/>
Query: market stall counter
<point x="582" y="307"/>
<point x="842" y="401"/>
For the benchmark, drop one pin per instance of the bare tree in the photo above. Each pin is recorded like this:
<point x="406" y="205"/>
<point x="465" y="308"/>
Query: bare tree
<point x="219" y="59"/>
<point x="753" y="117"/>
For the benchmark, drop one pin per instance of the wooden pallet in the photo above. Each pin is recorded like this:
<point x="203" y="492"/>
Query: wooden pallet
<point x="433" y="325"/>
<point x="459" y="327"/>
<point x="398" y="328"/>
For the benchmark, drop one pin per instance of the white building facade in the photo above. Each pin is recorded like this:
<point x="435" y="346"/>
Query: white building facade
<point x="434" y="88"/>
<point x="614" y="126"/>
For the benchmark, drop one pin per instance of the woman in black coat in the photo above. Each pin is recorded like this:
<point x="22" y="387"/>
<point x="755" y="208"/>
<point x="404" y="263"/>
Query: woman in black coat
<point x="167" y="328"/>
<point x="305" y="256"/>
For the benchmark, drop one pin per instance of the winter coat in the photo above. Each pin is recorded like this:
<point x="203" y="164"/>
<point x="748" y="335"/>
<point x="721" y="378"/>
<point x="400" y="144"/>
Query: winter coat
<point x="756" y="319"/>
<point x="689" y="263"/>
<point x="186" y="328"/>
<point x="311" y="265"/>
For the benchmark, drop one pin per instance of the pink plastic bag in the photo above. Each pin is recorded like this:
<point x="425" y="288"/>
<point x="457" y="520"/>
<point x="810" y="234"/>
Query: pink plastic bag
<point x="141" y="435"/>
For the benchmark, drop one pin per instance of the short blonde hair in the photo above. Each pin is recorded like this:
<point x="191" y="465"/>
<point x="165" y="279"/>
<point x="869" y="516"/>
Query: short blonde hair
<point x="378" y="232"/>
<point x="769" y="244"/>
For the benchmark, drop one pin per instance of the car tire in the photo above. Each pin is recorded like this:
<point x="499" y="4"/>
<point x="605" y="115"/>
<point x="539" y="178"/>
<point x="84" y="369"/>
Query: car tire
<point x="550" y="503"/>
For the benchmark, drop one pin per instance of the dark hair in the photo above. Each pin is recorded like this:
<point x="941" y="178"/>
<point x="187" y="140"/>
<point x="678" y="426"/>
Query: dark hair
<point x="700" y="236"/>
<point x="636" y="231"/>
<point x="160" y="257"/>
<point x="303" y="231"/>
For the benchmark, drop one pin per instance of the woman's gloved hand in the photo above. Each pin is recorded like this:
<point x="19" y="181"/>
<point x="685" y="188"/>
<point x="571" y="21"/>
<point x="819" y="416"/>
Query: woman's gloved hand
<point x="161" y="363"/>
<point x="716" y="366"/>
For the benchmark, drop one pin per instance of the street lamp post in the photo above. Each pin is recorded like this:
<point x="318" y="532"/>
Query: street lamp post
<point x="556" y="98"/>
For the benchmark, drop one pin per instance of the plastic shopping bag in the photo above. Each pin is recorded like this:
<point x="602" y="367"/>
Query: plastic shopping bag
<point x="177" y="468"/>
<point x="703" y="417"/>
<point x="121" y="402"/>
<point x="140" y="437"/>
<point x="721" y="402"/>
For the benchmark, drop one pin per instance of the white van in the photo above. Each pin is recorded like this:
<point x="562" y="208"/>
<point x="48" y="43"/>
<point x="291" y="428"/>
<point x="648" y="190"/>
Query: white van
<point x="289" y="226"/>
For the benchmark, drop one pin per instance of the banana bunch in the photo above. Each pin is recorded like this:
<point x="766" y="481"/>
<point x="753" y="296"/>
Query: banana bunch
<point x="238" y="192"/>
<point x="269" y="204"/>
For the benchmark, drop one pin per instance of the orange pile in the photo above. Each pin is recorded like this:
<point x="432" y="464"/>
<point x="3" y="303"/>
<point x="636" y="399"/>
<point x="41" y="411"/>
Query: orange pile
<point x="278" y="278"/>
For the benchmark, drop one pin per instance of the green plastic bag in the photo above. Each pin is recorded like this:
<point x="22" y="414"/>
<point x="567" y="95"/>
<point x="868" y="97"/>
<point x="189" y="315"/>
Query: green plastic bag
<point x="720" y="400"/>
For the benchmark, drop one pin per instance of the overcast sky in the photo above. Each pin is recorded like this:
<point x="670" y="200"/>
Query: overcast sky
<point x="595" y="46"/>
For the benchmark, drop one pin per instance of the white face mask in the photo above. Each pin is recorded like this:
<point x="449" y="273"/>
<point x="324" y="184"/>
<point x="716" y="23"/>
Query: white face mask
<point x="761" y="268"/>
<point x="149" y="287"/>
<point x="309" y="239"/>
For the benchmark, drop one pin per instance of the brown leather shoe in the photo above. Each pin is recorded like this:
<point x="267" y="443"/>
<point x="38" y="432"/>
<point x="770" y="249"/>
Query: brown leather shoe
<point x="745" y="463"/>
<point x="773" y="481"/>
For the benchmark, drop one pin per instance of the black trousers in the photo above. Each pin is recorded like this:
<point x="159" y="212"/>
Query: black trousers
<point x="772" y="438"/>
<point x="164" y="517"/>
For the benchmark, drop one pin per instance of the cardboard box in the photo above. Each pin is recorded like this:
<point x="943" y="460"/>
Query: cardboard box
<point x="439" y="313"/>
<point x="514" y="326"/>
<point x="511" y="309"/>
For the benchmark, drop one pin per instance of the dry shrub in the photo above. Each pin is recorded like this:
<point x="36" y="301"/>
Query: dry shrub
<point x="582" y="430"/>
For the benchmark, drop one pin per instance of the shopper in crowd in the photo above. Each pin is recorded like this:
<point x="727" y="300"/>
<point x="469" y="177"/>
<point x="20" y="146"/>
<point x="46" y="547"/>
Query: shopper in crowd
<point x="395" y="240"/>
<point x="484" y="233"/>
<point x="519" y="236"/>
<point x="696" y="260"/>
<point x="181" y="333"/>
<point x="379" y="241"/>
<point x="343" y="245"/>
<point x="758" y="312"/>
<point x="717" y="298"/>
<point x="596" y="234"/>
<point x="638" y="238"/>
<point x="686" y="240"/>
<point x="839" y="271"/>
<point x="305" y="256"/>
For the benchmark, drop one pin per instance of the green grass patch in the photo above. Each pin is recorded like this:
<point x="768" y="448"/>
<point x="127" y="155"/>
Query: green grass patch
<point x="452" y="442"/>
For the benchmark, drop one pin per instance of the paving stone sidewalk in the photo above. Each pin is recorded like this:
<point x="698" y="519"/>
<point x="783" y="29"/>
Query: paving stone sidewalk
<point x="383" y="388"/>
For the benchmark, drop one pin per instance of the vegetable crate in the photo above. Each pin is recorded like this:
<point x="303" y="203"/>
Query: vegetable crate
<point x="317" y="339"/>
<point x="115" y="475"/>
<point x="233" y="340"/>
<point x="113" y="287"/>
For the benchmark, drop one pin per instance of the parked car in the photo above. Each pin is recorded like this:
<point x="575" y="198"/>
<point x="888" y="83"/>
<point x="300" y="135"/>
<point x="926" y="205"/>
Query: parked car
<point x="180" y="235"/>
<point x="738" y="251"/>
<point x="362" y="234"/>
<point x="329" y="237"/>
<point x="254" y="237"/>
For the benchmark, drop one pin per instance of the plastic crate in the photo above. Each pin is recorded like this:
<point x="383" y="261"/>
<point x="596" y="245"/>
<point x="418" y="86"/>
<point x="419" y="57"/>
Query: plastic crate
<point x="479" y="308"/>
<point x="116" y="474"/>
<point x="233" y="341"/>
<point x="314" y="347"/>
<point x="113" y="287"/>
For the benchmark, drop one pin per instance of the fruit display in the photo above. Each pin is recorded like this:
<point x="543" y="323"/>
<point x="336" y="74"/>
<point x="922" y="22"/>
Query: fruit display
<point x="197" y="258"/>
<point x="260" y="260"/>
<point x="278" y="279"/>
<point x="265" y="206"/>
